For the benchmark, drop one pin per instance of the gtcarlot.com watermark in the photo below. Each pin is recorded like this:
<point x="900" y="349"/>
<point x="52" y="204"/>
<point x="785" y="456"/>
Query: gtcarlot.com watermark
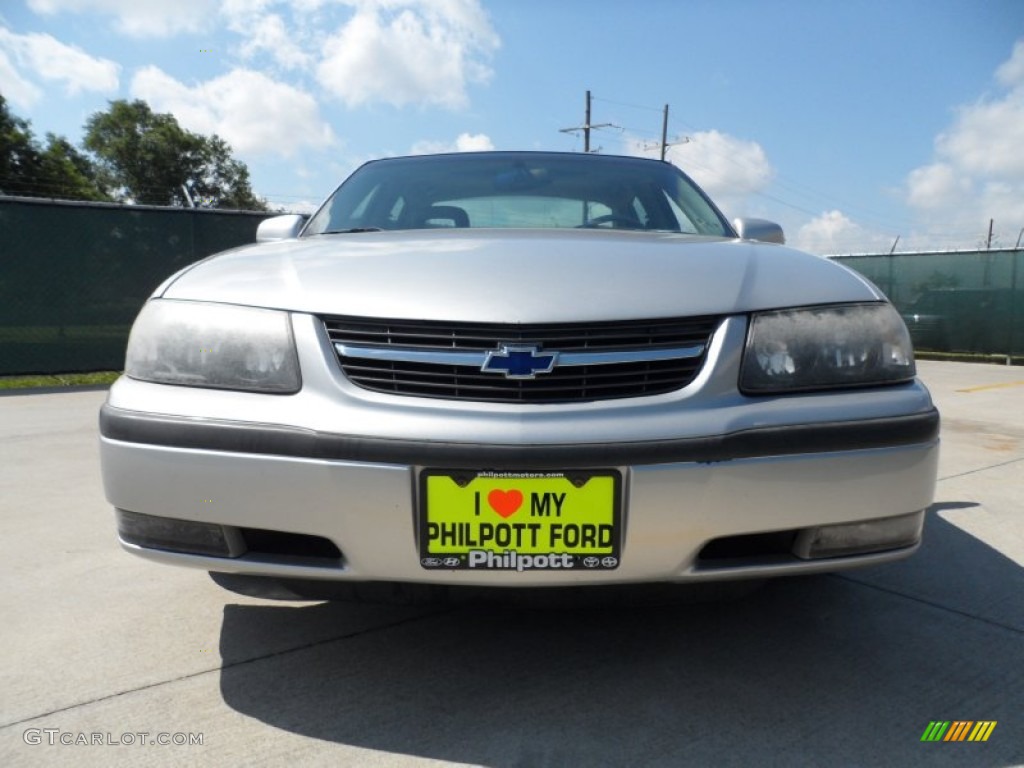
<point x="56" y="737"/>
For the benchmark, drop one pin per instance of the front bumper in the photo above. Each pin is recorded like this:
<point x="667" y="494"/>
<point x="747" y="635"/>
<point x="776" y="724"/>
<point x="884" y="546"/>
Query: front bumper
<point x="705" y="470"/>
<point x="695" y="508"/>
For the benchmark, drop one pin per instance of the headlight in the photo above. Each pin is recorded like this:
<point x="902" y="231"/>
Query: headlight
<point x="823" y="347"/>
<point x="196" y="344"/>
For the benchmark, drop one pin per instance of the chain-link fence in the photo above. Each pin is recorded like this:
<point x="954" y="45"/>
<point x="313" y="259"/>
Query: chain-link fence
<point x="957" y="302"/>
<point x="74" y="275"/>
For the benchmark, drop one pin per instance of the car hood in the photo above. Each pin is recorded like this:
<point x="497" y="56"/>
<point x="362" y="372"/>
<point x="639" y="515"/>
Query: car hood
<point x="517" y="276"/>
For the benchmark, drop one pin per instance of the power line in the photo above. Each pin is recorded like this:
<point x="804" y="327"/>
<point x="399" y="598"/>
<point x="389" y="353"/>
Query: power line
<point x="587" y="126"/>
<point x="808" y="193"/>
<point x="645" y="140"/>
<point x="624" y="104"/>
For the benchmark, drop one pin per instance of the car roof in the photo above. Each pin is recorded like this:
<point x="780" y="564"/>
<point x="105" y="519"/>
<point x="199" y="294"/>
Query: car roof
<point x="520" y="155"/>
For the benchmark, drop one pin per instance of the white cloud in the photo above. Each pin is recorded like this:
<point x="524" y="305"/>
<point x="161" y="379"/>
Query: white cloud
<point x="834" y="232"/>
<point x="936" y="186"/>
<point x="465" y="142"/>
<point x="819" y="235"/>
<point x="139" y="18"/>
<point x="404" y="52"/>
<point x="16" y="88"/>
<point x="476" y="142"/>
<point x="249" y="110"/>
<point x="1011" y="73"/>
<point x="398" y="52"/>
<point x="978" y="169"/>
<point x="239" y="9"/>
<point x="987" y="138"/>
<point x="49" y="59"/>
<point x="727" y="168"/>
<point x="267" y="33"/>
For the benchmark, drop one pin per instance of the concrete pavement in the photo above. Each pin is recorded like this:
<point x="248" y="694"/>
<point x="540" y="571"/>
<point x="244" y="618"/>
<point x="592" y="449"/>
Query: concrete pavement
<point x="838" y="670"/>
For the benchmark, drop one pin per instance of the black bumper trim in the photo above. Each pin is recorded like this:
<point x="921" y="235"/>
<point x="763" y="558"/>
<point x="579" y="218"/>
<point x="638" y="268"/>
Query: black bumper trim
<point x="270" y="439"/>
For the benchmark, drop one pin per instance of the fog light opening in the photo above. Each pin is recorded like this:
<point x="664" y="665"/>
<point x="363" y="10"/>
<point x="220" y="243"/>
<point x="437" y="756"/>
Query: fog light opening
<point x="859" y="538"/>
<point x="186" y="536"/>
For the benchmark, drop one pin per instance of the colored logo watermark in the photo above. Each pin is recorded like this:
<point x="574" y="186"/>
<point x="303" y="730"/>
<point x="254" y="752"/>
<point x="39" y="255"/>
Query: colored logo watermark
<point x="959" y="730"/>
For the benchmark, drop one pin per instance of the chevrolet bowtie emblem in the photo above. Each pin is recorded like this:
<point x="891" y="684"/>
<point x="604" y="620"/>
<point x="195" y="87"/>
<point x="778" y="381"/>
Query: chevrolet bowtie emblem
<point x="519" y="361"/>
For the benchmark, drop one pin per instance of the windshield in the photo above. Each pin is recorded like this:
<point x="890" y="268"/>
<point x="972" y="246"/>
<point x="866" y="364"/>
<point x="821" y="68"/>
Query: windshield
<point x="515" y="190"/>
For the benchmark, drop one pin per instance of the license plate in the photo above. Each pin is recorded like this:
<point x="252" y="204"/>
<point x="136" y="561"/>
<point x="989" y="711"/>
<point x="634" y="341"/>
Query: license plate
<point x="519" y="521"/>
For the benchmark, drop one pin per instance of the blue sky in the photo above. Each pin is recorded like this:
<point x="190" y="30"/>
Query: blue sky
<point x="851" y="123"/>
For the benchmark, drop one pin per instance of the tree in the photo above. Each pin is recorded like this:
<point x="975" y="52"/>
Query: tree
<point x="59" y="170"/>
<point x="68" y="172"/>
<point x="226" y="180"/>
<point x="149" y="158"/>
<point x="19" y="154"/>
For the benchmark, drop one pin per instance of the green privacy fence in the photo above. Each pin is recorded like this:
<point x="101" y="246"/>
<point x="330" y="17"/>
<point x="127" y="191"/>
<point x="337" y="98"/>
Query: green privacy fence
<point x="958" y="302"/>
<point x="74" y="275"/>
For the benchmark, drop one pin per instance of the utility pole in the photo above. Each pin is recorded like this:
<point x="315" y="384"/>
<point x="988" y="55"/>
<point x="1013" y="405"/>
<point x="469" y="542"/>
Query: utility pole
<point x="988" y="243"/>
<point x="586" y="127"/>
<point x="665" y="143"/>
<point x="664" y="133"/>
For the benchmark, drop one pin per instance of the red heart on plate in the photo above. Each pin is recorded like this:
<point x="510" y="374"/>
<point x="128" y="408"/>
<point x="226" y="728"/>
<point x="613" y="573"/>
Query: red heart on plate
<point x="505" y="503"/>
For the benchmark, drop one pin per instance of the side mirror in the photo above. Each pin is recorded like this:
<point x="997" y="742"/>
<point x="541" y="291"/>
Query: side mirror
<point x="285" y="227"/>
<point x="759" y="229"/>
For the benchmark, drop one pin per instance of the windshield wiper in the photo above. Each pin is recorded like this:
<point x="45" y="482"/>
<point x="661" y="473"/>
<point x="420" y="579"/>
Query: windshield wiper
<point x="354" y="230"/>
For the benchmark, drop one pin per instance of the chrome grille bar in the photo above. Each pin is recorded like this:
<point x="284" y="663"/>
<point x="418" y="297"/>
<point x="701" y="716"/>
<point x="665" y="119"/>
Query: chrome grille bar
<point x="477" y="359"/>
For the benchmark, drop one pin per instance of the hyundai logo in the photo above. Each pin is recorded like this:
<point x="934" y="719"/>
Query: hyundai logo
<point x="519" y="361"/>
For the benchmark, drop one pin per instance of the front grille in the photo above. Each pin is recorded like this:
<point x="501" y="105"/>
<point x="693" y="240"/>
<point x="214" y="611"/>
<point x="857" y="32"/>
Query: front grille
<point x="580" y="383"/>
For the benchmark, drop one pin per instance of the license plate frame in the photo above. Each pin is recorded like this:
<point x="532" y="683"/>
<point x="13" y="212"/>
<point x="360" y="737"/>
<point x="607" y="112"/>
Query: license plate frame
<point x="497" y="520"/>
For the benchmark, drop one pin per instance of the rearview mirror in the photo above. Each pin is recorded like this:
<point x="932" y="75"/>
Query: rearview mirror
<point x="285" y="227"/>
<point x="759" y="229"/>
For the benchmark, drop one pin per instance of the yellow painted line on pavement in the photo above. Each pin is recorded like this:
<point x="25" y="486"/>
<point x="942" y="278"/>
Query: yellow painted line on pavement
<point x="993" y="386"/>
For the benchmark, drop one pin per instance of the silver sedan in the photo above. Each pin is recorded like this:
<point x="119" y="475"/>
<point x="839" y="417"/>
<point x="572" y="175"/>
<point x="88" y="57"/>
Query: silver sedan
<point x="517" y="370"/>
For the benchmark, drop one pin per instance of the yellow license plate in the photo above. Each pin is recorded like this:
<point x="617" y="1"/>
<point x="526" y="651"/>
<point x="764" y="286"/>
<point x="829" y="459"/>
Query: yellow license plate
<point x="519" y="521"/>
